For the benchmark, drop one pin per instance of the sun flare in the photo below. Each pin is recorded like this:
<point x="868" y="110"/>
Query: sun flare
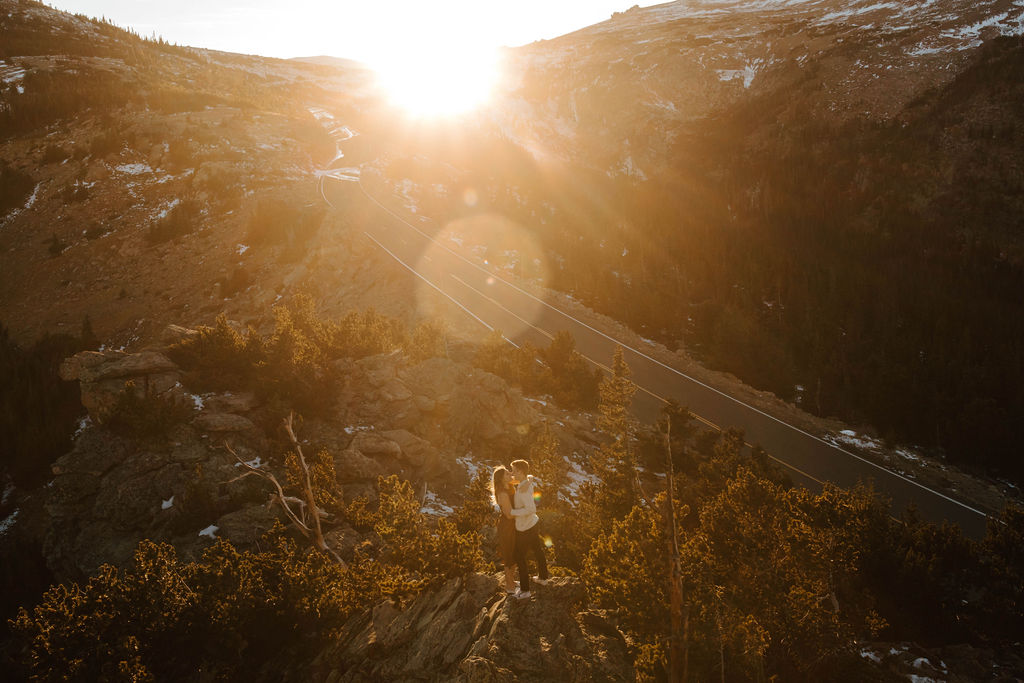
<point x="434" y="83"/>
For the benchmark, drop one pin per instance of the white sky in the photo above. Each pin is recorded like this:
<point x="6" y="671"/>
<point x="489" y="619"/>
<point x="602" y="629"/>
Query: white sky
<point x="368" y="30"/>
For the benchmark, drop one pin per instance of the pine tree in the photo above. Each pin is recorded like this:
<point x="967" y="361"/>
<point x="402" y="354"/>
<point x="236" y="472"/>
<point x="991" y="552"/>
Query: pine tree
<point x="615" y="463"/>
<point x="547" y="462"/>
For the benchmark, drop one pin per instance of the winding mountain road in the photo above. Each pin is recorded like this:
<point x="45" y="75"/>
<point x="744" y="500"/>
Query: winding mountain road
<point x="496" y="302"/>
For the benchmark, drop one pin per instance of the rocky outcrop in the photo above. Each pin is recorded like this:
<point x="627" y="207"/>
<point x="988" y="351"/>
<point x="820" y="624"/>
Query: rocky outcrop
<point x="102" y="376"/>
<point x="105" y="497"/>
<point x="351" y="465"/>
<point x="224" y="422"/>
<point x="394" y="417"/>
<point x="112" y="491"/>
<point x="468" y="630"/>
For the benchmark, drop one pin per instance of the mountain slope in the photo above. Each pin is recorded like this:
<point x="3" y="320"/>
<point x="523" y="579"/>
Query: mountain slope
<point x="821" y="197"/>
<point x="138" y="171"/>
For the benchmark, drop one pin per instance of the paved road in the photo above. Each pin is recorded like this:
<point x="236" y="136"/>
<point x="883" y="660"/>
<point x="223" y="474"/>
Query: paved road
<point x="498" y="303"/>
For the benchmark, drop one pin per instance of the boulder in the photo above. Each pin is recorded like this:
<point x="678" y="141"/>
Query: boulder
<point x="381" y="368"/>
<point x="102" y="377"/>
<point x="175" y="334"/>
<point x="435" y="378"/>
<point x="469" y="630"/>
<point x="223" y="422"/>
<point x="417" y="452"/>
<point x="360" y="489"/>
<point x="484" y="408"/>
<point x="375" y="444"/>
<point x="130" y="494"/>
<point x="106" y="496"/>
<point x="120" y="365"/>
<point x="351" y="465"/>
<point x="394" y="390"/>
<point x="229" y="402"/>
<point x="71" y="368"/>
<point x="247" y="526"/>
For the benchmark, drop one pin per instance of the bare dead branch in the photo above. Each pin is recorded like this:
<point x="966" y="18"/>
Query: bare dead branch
<point x="307" y="507"/>
<point x="307" y="481"/>
<point x="279" y="497"/>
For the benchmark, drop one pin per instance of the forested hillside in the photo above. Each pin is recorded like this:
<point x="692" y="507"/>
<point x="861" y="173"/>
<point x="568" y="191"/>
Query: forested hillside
<point x="863" y="267"/>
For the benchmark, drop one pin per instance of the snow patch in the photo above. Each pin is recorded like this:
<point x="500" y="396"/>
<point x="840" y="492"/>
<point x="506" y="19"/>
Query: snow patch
<point x="433" y="505"/>
<point x="848" y="437"/>
<point x="973" y="31"/>
<point x="242" y="248"/>
<point x="10" y="74"/>
<point x="922" y="50"/>
<point x="577" y="477"/>
<point x="855" y="11"/>
<point x="167" y="504"/>
<point x="28" y="205"/>
<point x="162" y="213"/>
<point x="472" y="468"/>
<point x="210" y="531"/>
<point x="7" y="523"/>
<point x="255" y="463"/>
<point x="83" y="425"/>
<point x="133" y="169"/>
<point x="628" y="167"/>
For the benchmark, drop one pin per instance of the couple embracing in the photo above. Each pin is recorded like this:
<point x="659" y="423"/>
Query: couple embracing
<point x="517" y="526"/>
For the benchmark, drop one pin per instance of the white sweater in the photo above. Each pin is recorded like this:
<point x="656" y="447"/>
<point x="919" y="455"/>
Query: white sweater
<point x="523" y="507"/>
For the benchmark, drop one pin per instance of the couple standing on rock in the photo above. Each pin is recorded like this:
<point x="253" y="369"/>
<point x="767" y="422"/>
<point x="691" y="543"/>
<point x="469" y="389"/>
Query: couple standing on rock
<point x="517" y="526"/>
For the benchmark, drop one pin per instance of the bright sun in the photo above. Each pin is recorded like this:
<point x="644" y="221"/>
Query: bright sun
<point x="434" y="82"/>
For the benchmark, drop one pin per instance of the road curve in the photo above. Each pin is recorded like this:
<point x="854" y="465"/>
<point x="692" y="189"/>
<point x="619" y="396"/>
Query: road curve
<point x="498" y="303"/>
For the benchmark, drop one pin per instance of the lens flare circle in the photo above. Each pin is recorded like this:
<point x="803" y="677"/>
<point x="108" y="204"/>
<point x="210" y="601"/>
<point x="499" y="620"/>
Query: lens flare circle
<point x="502" y="246"/>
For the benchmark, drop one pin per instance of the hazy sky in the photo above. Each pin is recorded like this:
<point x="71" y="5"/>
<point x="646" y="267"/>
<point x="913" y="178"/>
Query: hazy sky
<point x="358" y="29"/>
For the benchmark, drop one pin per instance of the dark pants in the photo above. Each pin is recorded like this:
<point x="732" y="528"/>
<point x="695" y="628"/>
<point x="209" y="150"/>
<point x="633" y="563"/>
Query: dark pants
<point x="529" y="542"/>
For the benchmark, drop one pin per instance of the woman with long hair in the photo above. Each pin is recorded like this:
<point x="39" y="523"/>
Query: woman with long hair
<point x="503" y="491"/>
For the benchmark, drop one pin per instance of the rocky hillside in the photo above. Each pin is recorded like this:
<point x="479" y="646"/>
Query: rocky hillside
<point x="164" y="472"/>
<point x="157" y="460"/>
<point x="619" y="93"/>
<point x="147" y="184"/>
<point x="818" y="197"/>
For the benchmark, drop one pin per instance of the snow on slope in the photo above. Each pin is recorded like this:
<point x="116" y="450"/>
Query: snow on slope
<point x="686" y="60"/>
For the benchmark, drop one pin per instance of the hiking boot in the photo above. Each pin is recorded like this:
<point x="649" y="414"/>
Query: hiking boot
<point x="542" y="582"/>
<point x="523" y="595"/>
